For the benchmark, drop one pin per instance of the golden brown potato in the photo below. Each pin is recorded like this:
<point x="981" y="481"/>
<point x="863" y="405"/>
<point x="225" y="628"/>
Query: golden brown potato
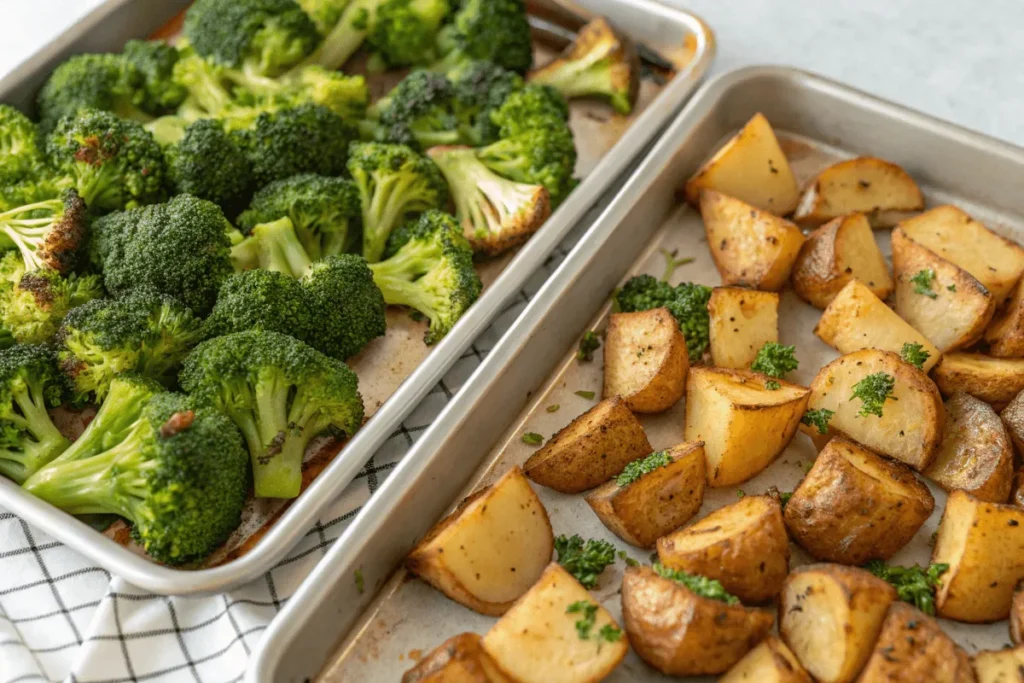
<point x="1013" y="418"/>
<point x="975" y="454"/>
<point x="743" y="545"/>
<point x="857" y="319"/>
<point x="878" y="188"/>
<point x="459" y="659"/>
<point x="750" y="167"/>
<point x="994" y="380"/>
<point x="937" y="297"/>
<point x="769" y="662"/>
<point x="999" y="666"/>
<point x="538" y="640"/>
<point x="683" y="634"/>
<point x="491" y="549"/>
<point x="839" y="252"/>
<point x="642" y="511"/>
<point x="645" y="360"/>
<point x="1017" y="489"/>
<point x="1017" y="615"/>
<point x="913" y="648"/>
<point x="910" y="427"/>
<point x="983" y="544"/>
<point x="741" y="322"/>
<point x="743" y="424"/>
<point x="589" y="450"/>
<point x="830" y="615"/>
<point x="854" y="506"/>
<point x="1005" y="334"/>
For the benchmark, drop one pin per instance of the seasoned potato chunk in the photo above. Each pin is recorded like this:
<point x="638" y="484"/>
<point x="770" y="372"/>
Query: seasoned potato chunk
<point x="1013" y="418"/>
<point x="880" y="189"/>
<point x="769" y="662"/>
<point x="459" y="659"/>
<point x="994" y="380"/>
<point x="1017" y="615"/>
<point x="1005" y="334"/>
<point x="1017" y="489"/>
<point x="912" y="647"/>
<point x="741" y="322"/>
<point x="645" y="360"/>
<point x="999" y="666"/>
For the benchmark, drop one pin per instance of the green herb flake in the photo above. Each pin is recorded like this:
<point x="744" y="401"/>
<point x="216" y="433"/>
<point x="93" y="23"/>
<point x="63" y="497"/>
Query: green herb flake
<point x="360" y="582"/>
<point x="818" y="418"/>
<point x="701" y="585"/>
<point x="630" y="562"/>
<point x="914" y="354"/>
<point x="589" y="395"/>
<point x="533" y="439"/>
<point x="772" y="385"/>
<point x="784" y="497"/>
<point x="585" y="561"/>
<point x="553" y="408"/>
<point x="915" y="585"/>
<point x="589" y="343"/>
<point x="672" y="263"/>
<point x="642" y="466"/>
<point x="775" y="360"/>
<point x="609" y="633"/>
<point x="952" y="287"/>
<point x="873" y="391"/>
<point x="922" y="281"/>
<point x="586" y="623"/>
<point x="740" y="493"/>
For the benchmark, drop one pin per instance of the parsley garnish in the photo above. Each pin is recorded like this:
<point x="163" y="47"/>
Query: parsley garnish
<point x="589" y="612"/>
<point x="784" y="497"/>
<point x="553" y="408"/>
<point x="671" y="263"/>
<point x="630" y="562"/>
<point x="915" y="585"/>
<point x="952" y="287"/>
<point x="589" y="343"/>
<point x="585" y="561"/>
<point x="533" y="439"/>
<point x="873" y="390"/>
<point x="585" y="394"/>
<point x="923" y="283"/>
<point x="818" y="418"/>
<point x="642" y="466"/>
<point x="701" y="585"/>
<point x="360" y="583"/>
<point x="772" y="385"/>
<point x="609" y="633"/>
<point x="914" y="354"/>
<point x="775" y="360"/>
<point x="740" y="493"/>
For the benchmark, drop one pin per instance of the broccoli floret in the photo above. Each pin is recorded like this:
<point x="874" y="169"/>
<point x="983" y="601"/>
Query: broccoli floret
<point x="538" y="157"/>
<point x="404" y="32"/>
<point x="349" y="307"/>
<point x="21" y="154"/>
<point x="30" y="191"/>
<point x="305" y="139"/>
<point x="775" y="360"/>
<point x="495" y="30"/>
<point x="29" y="385"/>
<point x="47" y="234"/>
<point x="393" y="182"/>
<point x="106" y="82"/>
<point x="430" y="269"/>
<point x="600" y="63"/>
<point x="324" y="13"/>
<point x="496" y="213"/>
<point x="687" y="302"/>
<point x="262" y="300"/>
<point x="155" y="60"/>
<point x="325" y="212"/>
<point x="535" y="107"/>
<point x="33" y="304"/>
<point x="210" y="163"/>
<point x="347" y="34"/>
<point x="281" y="393"/>
<point x="421" y="111"/>
<point x="206" y="84"/>
<point x="480" y="89"/>
<point x="347" y="96"/>
<point x="178" y="473"/>
<point x="273" y="246"/>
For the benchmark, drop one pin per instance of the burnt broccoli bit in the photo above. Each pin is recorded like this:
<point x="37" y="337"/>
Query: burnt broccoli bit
<point x="349" y="308"/>
<point x="535" y="107"/>
<point x="211" y="163"/>
<point x="21" y="147"/>
<point x="281" y="393"/>
<point x="421" y="111"/>
<point x="914" y="354"/>
<point x="178" y="474"/>
<point x="495" y="30"/>
<point x="154" y="61"/>
<point x="584" y="560"/>
<point x="481" y="88"/>
<point x="543" y="156"/>
<point x="260" y="300"/>
<point x="915" y="585"/>
<point x="29" y="385"/>
<point x="819" y="418"/>
<point x="873" y="391"/>
<point x="308" y="138"/>
<point x="47" y="234"/>
<point x="687" y="302"/>
<point x="404" y="32"/>
<point x="775" y="360"/>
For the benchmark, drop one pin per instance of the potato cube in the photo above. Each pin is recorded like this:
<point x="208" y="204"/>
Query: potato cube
<point x="742" y="321"/>
<point x="460" y="659"/>
<point x="999" y="666"/>
<point x="769" y="662"/>
<point x="913" y="647"/>
<point x="878" y="188"/>
<point x="994" y="380"/>
<point x="1005" y="334"/>
<point x="645" y="360"/>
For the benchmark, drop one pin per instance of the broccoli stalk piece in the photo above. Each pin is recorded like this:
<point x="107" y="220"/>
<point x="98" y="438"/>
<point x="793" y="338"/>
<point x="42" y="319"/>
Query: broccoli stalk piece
<point x="494" y="30"/>
<point x="29" y="385"/>
<point x="33" y="304"/>
<point x="47" y="233"/>
<point x="537" y="157"/>
<point x="496" y="213"/>
<point x="21" y="153"/>
<point x="210" y="163"/>
<point x="347" y="35"/>
<point x="281" y="393"/>
<point x="273" y="246"/>
<point x="687" y="302"/>
<point x="350" y="309"/>
<point x="178" y="474"/>
<point x="404" y="32"/>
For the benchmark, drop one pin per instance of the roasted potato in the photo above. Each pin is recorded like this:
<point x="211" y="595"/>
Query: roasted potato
<point x="681" y="633"/>
<point x="857" y="319"/>
<point x="750" y="247"/>
<point x="830" y="615"/>
<point x="910" y="428"/>
<point x="743" y="424"/>
<point x="983" y="544"/>
<point x="975" y="454"/>
<point x="1017" y="489"/>
<point x="1013" y="418"/>
<point x="538" y="640"/>
<point x="646" y="509"/>
<point x="741" y="322"/>
<point x="1017" y="615"/>
<point x="645" y="360"/>
<point x="880" y="189"/>
<point x="913" y="648"/>
<point x="937" y="297"/>
<point x="999" y="666"/>
<point x="491" y="549"/>
<point x="750" y="167"/>
<point x="1005" y="334"/>
<point x="589" y="450"/>
<point x="994" y="380"/>
<point x="839" y="252"/>
<point x="769" y="662"/>
<point x="743" y="545"/>
<point x="460" y="659"/>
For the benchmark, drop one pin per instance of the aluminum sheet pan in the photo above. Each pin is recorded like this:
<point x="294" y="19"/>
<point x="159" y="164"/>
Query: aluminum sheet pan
<point x="396" y="372"/>
<point x="333" y="631"/>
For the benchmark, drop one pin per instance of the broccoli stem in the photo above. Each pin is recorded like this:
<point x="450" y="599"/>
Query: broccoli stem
<point x="46" y="441"/>
<point x="115" y="419"/>
<point x="276" y="247"/>
<point x="345" y="38"/>
<point x="402" y="292"/>
<point x="385" y="209"/>
<point x="277" y="458"/>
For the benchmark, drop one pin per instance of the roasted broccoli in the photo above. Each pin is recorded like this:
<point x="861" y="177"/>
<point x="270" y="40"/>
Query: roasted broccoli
<point x="273" y="246"/>
<point x="207" y="85"/>
<point x="178" y="473"/>
<point x="210" y="163"/>
<point x="687" y="302"/>
<point x="154" y="60"/>
<point x="262" y="300"/>
<point x="345" y="95"/>
<point x="324" y="13"/>
<point x="404" y="32"/>
<point x="348" y="33"/>
<point x="349" y="307"/>
<point x="495" y="30"/>
<point x="29" y="385"/>
<point x="33" y="304"/>
<point x="21" y="154"/>
<point x="429" y="268"/>
<point x="281" y="393"/>
<point x="534" y="107"/>
<point x="543" y="156"/>
<point x="481" y="88"/>
<point x="106" y="82"/>
<point x="421" y="111"/>
<point x="304" y="139"/>
<point x="47" y="234"/>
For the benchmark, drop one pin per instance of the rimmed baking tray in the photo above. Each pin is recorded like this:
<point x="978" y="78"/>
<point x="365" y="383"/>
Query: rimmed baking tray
<point x="357" y="618"/>
<point x="608" y="145"/>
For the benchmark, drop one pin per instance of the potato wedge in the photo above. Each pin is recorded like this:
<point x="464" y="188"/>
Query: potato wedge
<point x="983" y="544"/>
<point x="841" y="251"/>
<point x="938" y="298"/>
<point x="1017" y="615"/>
<point x="953" y="235"/>
<point x="662" y="500"/>
<point x="867" y="185"/>
<point x="1017" y="489"/>
<point x="683" y="634"/>
<point x="830" y="615"/>
<point x="589" y="450"/>
<point x="1013" y="418"/>
<point x="912" y="648"/>
<point x="537" y="641"/>
<point x="1005" y="334"/>
<point x="741" y="322"/>
<point x="910" y="428"/>
<point x="491" y="549"/>
<point x="975" y="454"/>
<point x="999" y="666"/>
<point x="460" y="659"/>
<point x="854" y="506"/>
<point x="769" y="662"/>
<point x="857" y="319"/>
<point x="645" y="360"/>
<point x="996" y="381"/>
<point x="750" y="247"/>
<point x="744" y="426"/>
<point x="750" y="167"/>
<point x="743" y="545"/>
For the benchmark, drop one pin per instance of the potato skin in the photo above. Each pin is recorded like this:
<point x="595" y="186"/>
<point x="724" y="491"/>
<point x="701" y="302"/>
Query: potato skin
<point x="769" y="662"/>
<point x="648" y="346"/>
<point x="996" y="381"/>
<point x="1017" y="489"/>
<point x="1005" y="334"/>
<point x="874" y="186"/>
<point x="1017" y="615"/>
<point x="460" y="659"/>
<point x="1013" y="419"/>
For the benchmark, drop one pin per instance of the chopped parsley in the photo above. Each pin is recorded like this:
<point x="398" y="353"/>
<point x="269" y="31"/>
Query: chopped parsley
<point x="873" y="391"/>
<point x="672" y="263"/>
<point x="818" y="418"/>
<point x="915" y="585"/>
<point x="775" y="360"/>
<point x="609" y="633"/>
<point x="585" y="561"/>
<point x="952" y="287"/>
<point x="630" y="562"/>
<point x="740" y="493"/>
<point x="553" y="408"/>
<point x="772" y="385"/>
<point x="360" y="582"/>
<point x="922" y="281"/>
<point x="533" y="439"/>
<point x="589" y="395"/>
<point x="642" y="466"/>
<point x="589" y="343"/>
<point x="784" y="497"/>
<point x="914" y="354"/>
<point x="701" y="585"/>
<point x="586" y="622"/>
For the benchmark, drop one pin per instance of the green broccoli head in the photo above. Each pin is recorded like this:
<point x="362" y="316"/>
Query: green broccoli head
<point x="29" y="384"/>
<point x="273" y="246"/>
<point x="349" y="307"/>
<point x="210" y="163"/>
<point x="404" y="32"/>
<point x="532" y="108"/>
<point x="21" y="154"/>
<point x="261" y="300"/>
<point x="47" y="234"/>
<point x="281" y="393"/>
<point x="495" y="30"/>
<point x="345" y="95"/>
<point x="393" y="182"/>
<point x="347" y="33"/>
<point x="178" y="474"/>
<point x="304" y="139"/>
<point x="421" y="111"/>
<point x="687" y="302"/>
<point x="106" y="82"/>
<point x="31" y="190"/>
<point x="33" y="304"/>
<point x="481" y="88"/>
<point x="154" y="60"/>
<point x="324" y="13"/>
<point x="209" y="92"/>
<point x="543" y="156"/>
<point x="430" y="269"/>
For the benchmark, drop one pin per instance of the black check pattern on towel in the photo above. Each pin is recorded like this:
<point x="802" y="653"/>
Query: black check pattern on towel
<point x="62" y="619"/>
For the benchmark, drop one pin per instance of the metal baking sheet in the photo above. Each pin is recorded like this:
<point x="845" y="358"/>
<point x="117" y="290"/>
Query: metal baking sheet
<point x="332" y="631"/>
<point x="397" y="371"/>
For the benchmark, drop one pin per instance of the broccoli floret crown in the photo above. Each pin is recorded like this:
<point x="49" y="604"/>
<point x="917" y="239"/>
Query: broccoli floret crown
<point x="687" y="302"/>
<point x="345" y="95"/>
<point x="350" y="309"/>
<point x="262" y="300"/>
<point x="542" y="156"/>
<point x="210" y="163"/>
<point x="107" y="82"/>
<point x="305" y="139"/>
<point x="497" y="30"/>
<point x="324" y="13"/>
<point x="531" y="108"/>
<point x="420" y="111"/>
<point x="404" y="32"/>
<point x="481" y="87"/>
<point x="21" y="153"/>
<point x="154" y="60"/>
<point x="34" y="303"/>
